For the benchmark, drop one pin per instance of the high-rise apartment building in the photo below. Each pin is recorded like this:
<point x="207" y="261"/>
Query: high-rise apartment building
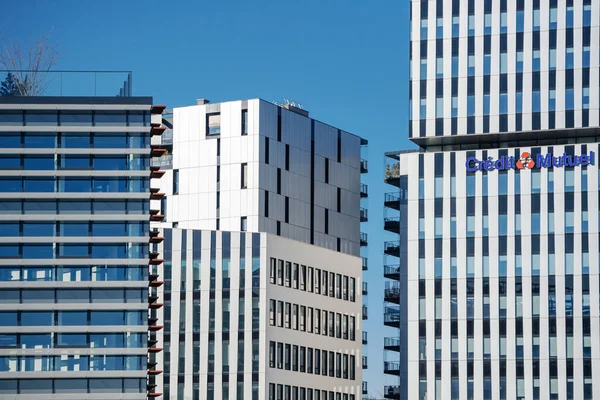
<point x="74" y="221"/>
<point x="261" y="259"/>
<point x="494" y="289"/>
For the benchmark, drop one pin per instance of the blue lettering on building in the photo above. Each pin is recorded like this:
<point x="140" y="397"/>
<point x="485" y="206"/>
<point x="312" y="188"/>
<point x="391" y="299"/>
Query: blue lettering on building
<point x="473" y="164"/>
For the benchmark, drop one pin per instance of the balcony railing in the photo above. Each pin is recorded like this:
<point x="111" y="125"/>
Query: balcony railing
<point x="365" y="289"/>
<point x="364" y="338"/>
<point x="364" y="215"/>
<point x="391" y="271"/>
<point x="364" y="239"/>
<point x="71" y="83"/>
<point x="392" y="200"/>
<point x="391" y="316"/>
<point x="392" y="248"/>
<point x="167" y="137"/>
<point x="392" y="224"/>
<point x="364" y="166"/>
<point x="165" y="161"/>
<point x="365" y="314"/>
<point x="391" y="343"/>
<point x="391" y="392"/>
<point x="392" y="292"/>
<point x="365" y="364"/>
<point x="365" y="263"/>
<point x="391" y="367"/>
<point x="392" y="173"/>
<point x="364" y="190"/>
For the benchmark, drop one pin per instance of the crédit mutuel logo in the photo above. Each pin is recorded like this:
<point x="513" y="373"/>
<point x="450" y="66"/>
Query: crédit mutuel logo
<point x="528" y="161"/>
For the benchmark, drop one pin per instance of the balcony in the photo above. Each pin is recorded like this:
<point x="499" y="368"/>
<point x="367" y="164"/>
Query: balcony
<point x="364" y="239"/>
<point x="365" y="364"/>
<point x="365" y="289"/>
<point x="391" y="316"/>
<point x="364" y="166"/>
<point x="364" y="313"/>
<point x="364" y="190"/>
<point x="391" y="392"/>
<point x="392" y="248"/>
<point x="391" y="343"/>
<point x="391" y="293"/>
<point x="392" y="271"/>
<point x="167" y="137"/>
<point x="165" y="161"/>
<point x="392" y="200"/>
<point x="392" y="224"/>
<point x="365" y="389"/>
<point x="391" y="367"/>
<point x="364" y="338"/>
<point x="364" y="215"/>
<point x="365" y="263"/>
<point x="392" y="169"/>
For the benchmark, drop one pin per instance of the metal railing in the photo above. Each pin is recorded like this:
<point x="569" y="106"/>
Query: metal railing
<point x="364" y="166"/>
<point x="392" y="248"/>
<point x="365" y="339"/>
<point x="392" y="269"/>
<point x="365" y="288"/>
<point x="364" y="190"/>
<point x="364" y="239"/>
<point x="69" y="83"/>
<point x="163" y="161"/>
<point x="391" y="366"/>
<point x="365" y="263"/>
<point x="364" y="214"/>
<point x="391" y="342"/>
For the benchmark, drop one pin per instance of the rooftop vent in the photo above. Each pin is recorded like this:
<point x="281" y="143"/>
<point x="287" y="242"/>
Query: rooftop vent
<point x="201" y="102"/>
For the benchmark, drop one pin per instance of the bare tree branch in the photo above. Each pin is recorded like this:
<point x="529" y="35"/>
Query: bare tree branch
<point x="31" y="65"/>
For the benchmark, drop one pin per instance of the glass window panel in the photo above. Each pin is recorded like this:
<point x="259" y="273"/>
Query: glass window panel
<point x="38" y="185"/>
<point x="38" y="228"/>
<point x="9" y="364"/>
<point x="77" y="274"/>
<point x="106" y="317"/>
<point x="41" y="118"/>
<point x="10" y="295"/>
<point x="37" y="296"/>
<point x="74" y="118"/>
<point x="11" y="185"/>
<point x="73" y="362"/>
<point x="110" y="185"/>
<point x="73" y="250"/>
<point x="10" y="162"/>
<point x="36" y="341"/>
<point x="110" y="141"/>
<point x="108" y="229"/>
<point x="39" y="207"/>
<point x="37" y="251"/>
<point x="74" y="185"/>
<point x="72" y="339"/>
<point x="75" y="141"/>
<point x="9" y="251"/>
<point x="10" y="206"/>
<point x="107" y="340"/>
<point x="35" y="386"/>
<point x="74" y="228"/>
<point x="38" y="273"/>
<point x="108" y="296"/>
<point x="37" y="318"/>
<point x="10" y="140"/>
<point x="138" y="140"/>
<point x="72" y="318"/>
<point x="9" y="229"/>
<point x="110" y="118"/>
<point x="108" y="251"/>
<point x="8" y="318"/>
<point x="110" y="207"/>
<point x="75" y="161"/>
<point x="72" y="295"/>
<point x="8" y="340"/>
<point x="74" y="207"/>
<point x="35" y="162"/>
<point x="111" y="163"/>
<point x="39" y="140"/>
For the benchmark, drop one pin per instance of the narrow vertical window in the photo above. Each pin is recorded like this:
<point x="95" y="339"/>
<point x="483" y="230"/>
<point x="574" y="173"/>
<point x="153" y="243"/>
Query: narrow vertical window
<point x="279" y="124"/>
<point x="278" y="228"/>
<point x="287" y="157"/>
<point x="327" y="170"/>
<point x="244" y="175"/>
<point x="278" y="180"/>
<point x="266" y="204"/>
<point x="213" y="124"/>
<point x="287" y="210"/>
<point x="244" y="122"/>
<point x="266" y="150"/>
<point x="326" y="221"/>
<point x="244" y="224"/>
<point x="175" y="181"/>
<point x="339" y="146"/>
<point x="339" y="200"/>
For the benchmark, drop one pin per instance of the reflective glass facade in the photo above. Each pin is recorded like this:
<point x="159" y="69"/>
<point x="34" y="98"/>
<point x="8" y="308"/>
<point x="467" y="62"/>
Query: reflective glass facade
<point x="74" y="221"/>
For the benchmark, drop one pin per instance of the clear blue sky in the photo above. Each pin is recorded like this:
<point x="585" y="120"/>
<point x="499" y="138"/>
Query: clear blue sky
<point x="346" y="61"/>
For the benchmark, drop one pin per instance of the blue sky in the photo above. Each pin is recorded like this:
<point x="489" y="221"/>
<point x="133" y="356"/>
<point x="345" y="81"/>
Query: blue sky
<point x="345" y="61"/>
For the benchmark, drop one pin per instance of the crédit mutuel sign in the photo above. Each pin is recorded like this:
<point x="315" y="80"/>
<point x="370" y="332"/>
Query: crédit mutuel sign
<point x="527" y="161"/>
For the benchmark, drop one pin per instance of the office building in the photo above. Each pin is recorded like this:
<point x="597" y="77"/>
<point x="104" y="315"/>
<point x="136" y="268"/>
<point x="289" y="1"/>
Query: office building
<point x="493" y="266"/>
<point x="261" y="258"/>
<point x="74" y="221"/>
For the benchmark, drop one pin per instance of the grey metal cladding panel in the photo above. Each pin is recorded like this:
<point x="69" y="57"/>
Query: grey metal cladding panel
<point x="325" y="140"/>
<point x="319" y="219"/>
<point x="350" y="203"/>
<point x="75" y="350"/>
<point x="62" y="195"/>
<point x="350" y="150"/>
<point x="300" y="161"/>
<point x="295" y="130"/>
<point x="268" y="177"/>
<point x="75" y="261"/>
<point x="326" y="196"/>
<point x="72" y="374"/>
<point x="319" y="168"/>
<point x="300" y="213"/>
<point x="344" y="176"/>
<point x="75" y="239"/>
<point x="267" y="122"/>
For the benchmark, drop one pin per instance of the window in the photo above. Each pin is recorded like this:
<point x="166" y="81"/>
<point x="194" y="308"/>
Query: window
<point x="244" y="122"/>
<point x="175" y="181"/>
<point x="213" y="124"/>
<point x="244" y="175"/>
<point x="272" y="306"/>
<point x="303" y="278"/>
<point x="352" y="289"/>
<point x="273" y="269"/>
<point x="243" y="224"/>
<point x="295" y="276"/>
<point x="272" y="354"/>
<point x="280" y="272"/>
<point x="280" y="314"/>
<point x="317" y="281"/>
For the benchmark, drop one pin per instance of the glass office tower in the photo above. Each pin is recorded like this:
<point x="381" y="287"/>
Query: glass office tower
<point x="495" y="216"/>
<point x="74" y="221"/>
